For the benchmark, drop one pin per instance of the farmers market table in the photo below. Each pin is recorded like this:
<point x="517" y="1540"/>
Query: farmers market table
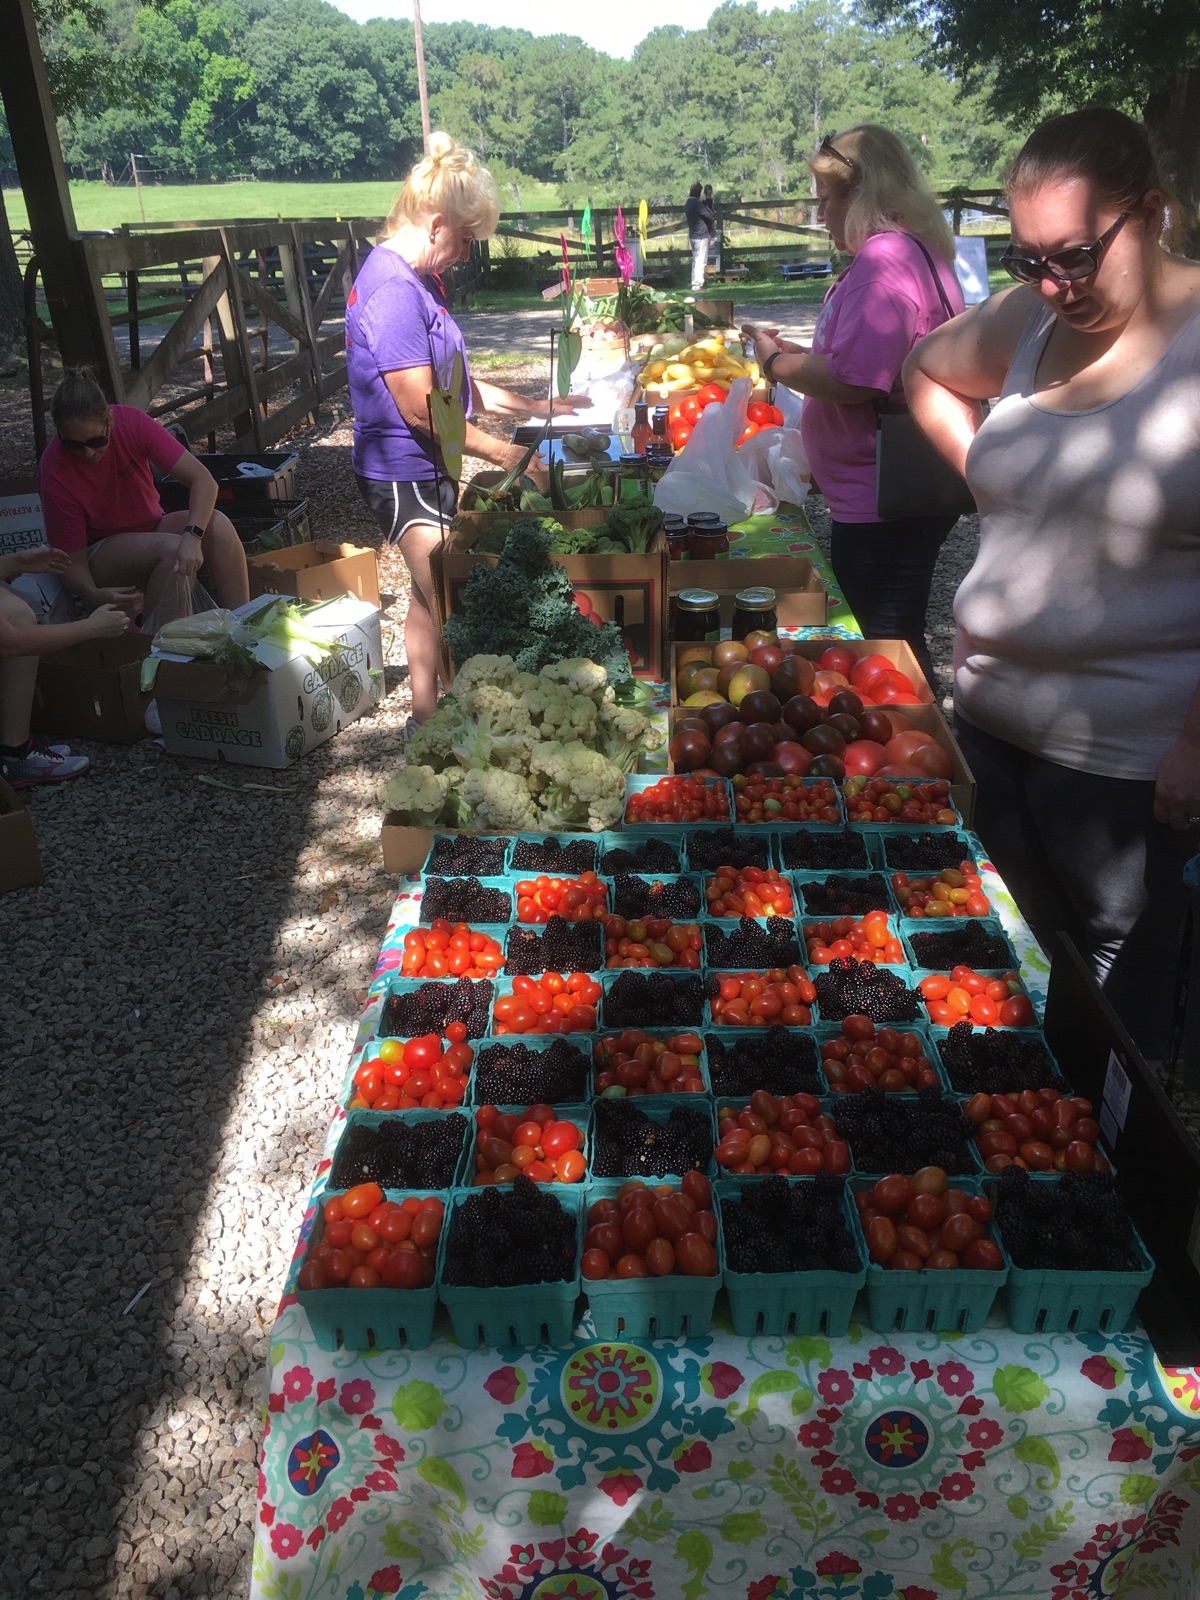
<point x="934" y="1467"/>
<point x="786" y="532"/>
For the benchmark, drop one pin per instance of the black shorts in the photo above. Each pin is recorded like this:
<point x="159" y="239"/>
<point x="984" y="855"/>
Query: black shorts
<point x="398" y="506"/>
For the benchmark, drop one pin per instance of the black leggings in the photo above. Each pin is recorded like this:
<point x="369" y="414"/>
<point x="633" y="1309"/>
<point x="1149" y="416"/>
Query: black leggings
<point x="1083" y="853"/>
<point x="885" y="570"/>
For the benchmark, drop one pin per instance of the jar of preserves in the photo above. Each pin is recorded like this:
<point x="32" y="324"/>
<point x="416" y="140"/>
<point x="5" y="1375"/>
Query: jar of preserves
<point x="696" y="616"/>
<point x="678" y="535"/>
<point x="754" y="610"/>
<point x="708" y="542"/>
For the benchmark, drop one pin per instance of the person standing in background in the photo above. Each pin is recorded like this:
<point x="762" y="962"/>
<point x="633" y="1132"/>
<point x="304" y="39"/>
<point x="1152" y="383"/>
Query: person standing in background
<point x="710" y="215"/>
<point x="700" y="234"/>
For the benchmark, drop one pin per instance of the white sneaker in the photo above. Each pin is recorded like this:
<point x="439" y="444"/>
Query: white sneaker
<point x="39" y="766"/>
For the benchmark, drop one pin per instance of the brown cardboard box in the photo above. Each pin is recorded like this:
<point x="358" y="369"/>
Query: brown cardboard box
<point x="628" y="590"/>
<point x="897" y="651"/>
<point x="91" y="691"/>
<point x="21" y="524"/>
<point x="405" y="848"/>
<point x="321" y="570"/>
<point x="800" y="594"/>
<point x="20" y="864"/>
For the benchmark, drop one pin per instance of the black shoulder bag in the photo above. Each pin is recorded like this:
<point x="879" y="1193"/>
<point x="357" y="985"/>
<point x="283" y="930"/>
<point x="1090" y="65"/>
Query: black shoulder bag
<point x="911" y="478"/>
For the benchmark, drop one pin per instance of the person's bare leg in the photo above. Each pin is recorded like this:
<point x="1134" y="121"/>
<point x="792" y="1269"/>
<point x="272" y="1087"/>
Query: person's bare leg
<point x="18" y="674"/>
<point x="422" y="641"/>
<point x="147" y="560"/>
<point x="224" y="557"/>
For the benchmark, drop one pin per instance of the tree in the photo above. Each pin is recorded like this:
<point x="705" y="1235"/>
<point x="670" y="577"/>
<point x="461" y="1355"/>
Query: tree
<point x="1043" y="56"/>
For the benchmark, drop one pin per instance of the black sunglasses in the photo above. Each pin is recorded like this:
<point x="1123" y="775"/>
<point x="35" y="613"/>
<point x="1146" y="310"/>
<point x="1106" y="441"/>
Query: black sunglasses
<point x="96" y="442"/>
<point x="1064" y="266"/>
<point x="828" y="148"/>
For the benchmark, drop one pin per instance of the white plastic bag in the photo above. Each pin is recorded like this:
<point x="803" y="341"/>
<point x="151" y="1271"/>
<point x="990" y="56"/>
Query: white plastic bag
<point x="777" y="459"/>
<point x="789" y="404"/>
<point x="711" y="474"/>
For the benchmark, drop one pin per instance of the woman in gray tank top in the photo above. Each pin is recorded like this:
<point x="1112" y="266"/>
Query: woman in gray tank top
<point x="1077" y="656"/>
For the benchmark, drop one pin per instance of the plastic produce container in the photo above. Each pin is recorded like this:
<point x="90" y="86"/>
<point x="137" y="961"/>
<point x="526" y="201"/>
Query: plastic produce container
<point x="527" y="1314"/>
<point x="671" y="1307"/>
<point x="791" y="1303"/>
<point x="371" y="1319"/>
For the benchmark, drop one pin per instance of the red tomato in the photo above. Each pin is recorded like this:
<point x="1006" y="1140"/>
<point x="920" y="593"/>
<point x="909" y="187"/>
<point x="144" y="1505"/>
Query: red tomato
<point x="838" y="659"/>
<point x="766" y="416"/>
<point x="695" y="1257"/>
<point x="689" y="410"/>
<point x="751" y="429"/>
<point x="680" y="435"/>
<point x="712" y="394"/>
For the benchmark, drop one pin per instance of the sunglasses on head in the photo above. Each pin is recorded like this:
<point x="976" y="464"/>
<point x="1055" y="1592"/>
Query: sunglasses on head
<point x="1064" y="266"/>
<point x="828" y="148"/>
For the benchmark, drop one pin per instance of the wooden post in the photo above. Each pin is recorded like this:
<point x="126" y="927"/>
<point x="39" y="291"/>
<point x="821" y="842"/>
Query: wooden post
<point x="422" y="87"/>
<point x="74" y="293"/>
<point x="235" y="347"/>
<point x="291" y="262"/>
<point x="598" y="235"/>
<point x="135" y="342"/>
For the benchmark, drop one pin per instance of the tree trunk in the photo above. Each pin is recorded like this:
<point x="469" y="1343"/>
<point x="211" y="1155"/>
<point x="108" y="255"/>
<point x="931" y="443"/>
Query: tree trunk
<point x="1173" y="116"/>
<point x="12" y="298"/>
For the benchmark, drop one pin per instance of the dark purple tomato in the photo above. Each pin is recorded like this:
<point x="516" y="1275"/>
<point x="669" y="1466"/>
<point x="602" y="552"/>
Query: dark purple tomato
<point x="727" y="758"/>
<point x="721" y="712"/>
<point x="802" y="713"/>
<point x="690" y="750"/>
<point x="823" y="741"/>
<point x="764" y="769"/>
<point x="845" y="700"/>
<point x="826" y="767"/>
<point x="760" y="705"/>
<point x="849" y="727"/>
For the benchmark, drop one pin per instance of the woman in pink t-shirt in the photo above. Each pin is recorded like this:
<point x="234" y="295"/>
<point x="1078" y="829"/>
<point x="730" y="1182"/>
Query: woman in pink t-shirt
<point x="101" y="506"/>
<point x="896" y="289"/>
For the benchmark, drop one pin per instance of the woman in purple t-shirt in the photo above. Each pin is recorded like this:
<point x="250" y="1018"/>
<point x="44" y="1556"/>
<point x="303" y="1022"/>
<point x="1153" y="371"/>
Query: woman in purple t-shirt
<point x="880" y="213"/>
<point x="400" y="340"/>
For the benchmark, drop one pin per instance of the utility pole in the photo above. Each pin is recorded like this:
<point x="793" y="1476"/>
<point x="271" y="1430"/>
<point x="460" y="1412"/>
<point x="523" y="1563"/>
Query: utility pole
<point x="422" y="88"/>
<point x="137" y="184"/>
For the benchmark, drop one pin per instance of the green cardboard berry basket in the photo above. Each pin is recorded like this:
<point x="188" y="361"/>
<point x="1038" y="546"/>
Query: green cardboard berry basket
<point x="694" y="879"/>
<point x="892" y="851"/>
<point x="504" y="883"/>
<point x="591" y="839"/>
<point x="954" y="1301"/>
<point x="774" y="823"/>
<point x="376" y="1119"/>
<point x="805" y="913"/>
<point x="631" y="838"/>
<point x="637" y="783"/>
<point x="523" y="930"/>
<point x="652" y="1033"/>
<point x="608" y="981"/>
<point x="763" y="840"/>
<point x="428" y="867"/>
<point x="539" y="1043"/>
<point x="671" y="1307"/>
<point x="872" y="853"/>
<point x="371" y="1319"/>
<point x="730" y="925"/>
<point x="792" y="1303"/>
<point x="658" y="1108"/>
<point x="527" y="1314"/>
<point x="404" y="986"/>
<point x="576" y="1113"/>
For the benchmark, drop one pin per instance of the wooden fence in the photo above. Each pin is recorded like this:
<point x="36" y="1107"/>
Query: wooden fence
<point x="254" y="315"/>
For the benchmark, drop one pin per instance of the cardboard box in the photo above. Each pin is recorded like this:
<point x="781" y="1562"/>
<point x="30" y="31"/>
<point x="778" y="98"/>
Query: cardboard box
<point x="318" y="571"/>
<point x="284" y="709"/>
<point x="20" y="864"/>
<point x="21" y="523"/>
<point x="91" y="690"/>
<point x="898" y="651"/>
<point x="801" y="599"/>
<point x="628" y="590"/>
<point x="405" y="848"/>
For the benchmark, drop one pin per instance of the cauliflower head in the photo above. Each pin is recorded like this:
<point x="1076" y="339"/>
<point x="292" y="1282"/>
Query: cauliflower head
<point x="623" y="734"/>
<point x="433" y="743"/>
<point x="560" y="715"/>
<point x="419" y="794"/>
<point x="579" y="789"/>
<point x="580" y="676"/>
<point x="498" y="801"/>
<point x="496" y="731"/>
<point x="476" y="670"/>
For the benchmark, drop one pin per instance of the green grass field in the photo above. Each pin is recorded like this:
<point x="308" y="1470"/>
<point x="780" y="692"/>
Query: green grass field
<point x="100" y="205"/>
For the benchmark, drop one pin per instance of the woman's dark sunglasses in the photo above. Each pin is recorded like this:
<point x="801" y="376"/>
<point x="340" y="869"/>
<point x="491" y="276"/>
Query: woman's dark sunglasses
<point x="828" y="148"/>
<point x="96" y="442"/>
<point x="1064" y="266"/>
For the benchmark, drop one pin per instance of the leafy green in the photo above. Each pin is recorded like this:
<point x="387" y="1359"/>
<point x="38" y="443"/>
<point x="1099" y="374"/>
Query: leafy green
<point x="634" y="523"/>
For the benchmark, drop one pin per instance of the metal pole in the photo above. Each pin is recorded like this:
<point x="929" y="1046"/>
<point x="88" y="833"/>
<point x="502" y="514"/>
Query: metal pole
<point x="422" y="88"/>
<point x="137" y="184"/>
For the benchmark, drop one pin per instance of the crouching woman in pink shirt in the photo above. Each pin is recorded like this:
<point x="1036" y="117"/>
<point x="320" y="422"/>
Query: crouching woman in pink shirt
<point x="101" y="506"/>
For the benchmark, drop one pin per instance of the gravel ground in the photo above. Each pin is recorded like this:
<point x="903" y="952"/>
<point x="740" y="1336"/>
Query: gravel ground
<point x="179" y="1001"/>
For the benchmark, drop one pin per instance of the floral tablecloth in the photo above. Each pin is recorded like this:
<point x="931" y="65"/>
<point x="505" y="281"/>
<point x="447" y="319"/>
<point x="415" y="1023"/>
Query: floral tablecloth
<point x="928" y="1467"/>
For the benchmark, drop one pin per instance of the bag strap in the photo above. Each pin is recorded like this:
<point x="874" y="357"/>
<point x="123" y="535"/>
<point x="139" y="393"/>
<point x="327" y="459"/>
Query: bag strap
<point x="933" y="273"/>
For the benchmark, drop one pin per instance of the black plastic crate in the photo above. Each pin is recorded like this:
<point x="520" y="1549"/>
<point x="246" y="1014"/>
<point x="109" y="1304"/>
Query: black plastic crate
<point x="233" y="487"/>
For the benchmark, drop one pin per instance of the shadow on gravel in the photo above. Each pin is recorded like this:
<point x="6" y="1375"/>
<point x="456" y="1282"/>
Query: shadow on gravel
<point x="130" y="980"/>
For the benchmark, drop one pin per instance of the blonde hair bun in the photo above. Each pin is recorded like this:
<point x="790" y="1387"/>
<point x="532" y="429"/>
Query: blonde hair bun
<point x="448" y="180"/>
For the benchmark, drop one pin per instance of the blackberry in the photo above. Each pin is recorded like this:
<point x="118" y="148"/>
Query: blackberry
<point x="820" y="852"/>
<point x="838" y="896"/>
<point x="969" y="945"/>
<point x="464" y="900"/>
<point x="653" y="1000"/>
<point x="514" y="1074"/>
<point x="563" y="947"/>
<point x="648" y="855"/>
<point x="850" y="988"/>
<point x="776" y="1226"/>
<point x="727" y="847"/>
<point x="923" y="852"/>
<point x="759" y="945"/>
<point x="627" y="1142"/>
<point x="467" y="853"/>
<point x="997" y="1061"/>
<point x="429" y="1008"/>
<point x="1078" y="1223"/>
<point x="548" y="855"/>
<point x="502" y="1238"/>
<point x="678" y="899"/>
<point x="400" y="1155"/>
<point x="886" y="1134"/>
<point x="777" y="1059"/>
